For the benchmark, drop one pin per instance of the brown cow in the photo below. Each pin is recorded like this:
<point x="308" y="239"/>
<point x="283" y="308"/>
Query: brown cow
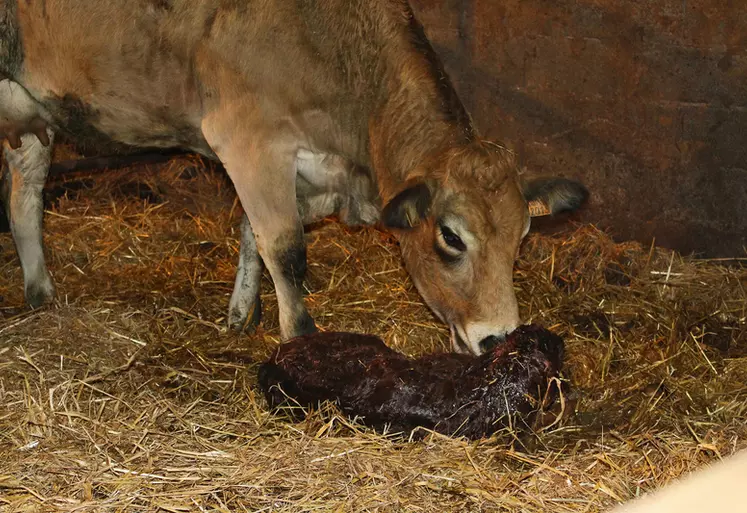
<point x="313" y="107"/>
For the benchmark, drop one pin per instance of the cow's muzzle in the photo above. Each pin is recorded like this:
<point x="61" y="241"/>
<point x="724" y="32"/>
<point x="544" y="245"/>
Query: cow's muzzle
<point x="489" y="343"/>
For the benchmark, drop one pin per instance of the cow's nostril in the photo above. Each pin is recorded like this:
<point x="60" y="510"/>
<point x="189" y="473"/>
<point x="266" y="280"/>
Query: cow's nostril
<point x="489" y="343"/>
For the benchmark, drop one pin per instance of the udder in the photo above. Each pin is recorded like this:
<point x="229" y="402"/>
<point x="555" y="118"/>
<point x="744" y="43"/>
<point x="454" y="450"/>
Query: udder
<point x="20" y="114"/>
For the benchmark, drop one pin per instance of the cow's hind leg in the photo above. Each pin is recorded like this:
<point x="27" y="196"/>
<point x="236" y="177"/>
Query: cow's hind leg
<point x="245" y="308"/>
<point x="27" y="171"/>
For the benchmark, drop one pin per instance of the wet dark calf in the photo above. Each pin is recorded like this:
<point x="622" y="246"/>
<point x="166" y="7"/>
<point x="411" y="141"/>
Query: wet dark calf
<point x="454" y="394"/>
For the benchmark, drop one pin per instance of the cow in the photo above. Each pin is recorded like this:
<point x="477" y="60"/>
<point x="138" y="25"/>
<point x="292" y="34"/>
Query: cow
<point x="314" y="107"/>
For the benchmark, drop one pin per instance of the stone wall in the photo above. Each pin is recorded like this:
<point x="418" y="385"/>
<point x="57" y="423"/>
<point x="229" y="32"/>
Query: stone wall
<point x="644" y="100"/>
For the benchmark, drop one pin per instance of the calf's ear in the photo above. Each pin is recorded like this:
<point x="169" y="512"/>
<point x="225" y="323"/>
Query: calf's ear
<point x="550" y="196"/>
<point x="407" y="208"/>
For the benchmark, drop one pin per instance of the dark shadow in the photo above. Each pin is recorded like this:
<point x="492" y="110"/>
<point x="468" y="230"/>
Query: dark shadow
<point x="650" y="117"/>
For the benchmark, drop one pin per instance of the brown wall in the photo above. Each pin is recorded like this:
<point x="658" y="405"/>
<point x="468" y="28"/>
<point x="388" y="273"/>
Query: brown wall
<point x="644" y="100"/>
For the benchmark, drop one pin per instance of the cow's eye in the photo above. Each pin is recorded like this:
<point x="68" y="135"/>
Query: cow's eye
<point x="451" y="239"/>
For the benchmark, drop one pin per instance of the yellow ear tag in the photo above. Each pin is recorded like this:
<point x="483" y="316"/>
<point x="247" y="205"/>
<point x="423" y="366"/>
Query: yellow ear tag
<point x="538" y="208"/>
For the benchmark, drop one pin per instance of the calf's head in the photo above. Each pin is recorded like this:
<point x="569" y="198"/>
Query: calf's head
<point x="460" y="221"/>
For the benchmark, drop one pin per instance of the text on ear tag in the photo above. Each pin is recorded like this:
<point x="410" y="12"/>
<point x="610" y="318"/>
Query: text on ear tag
<point x="538" y="208"/>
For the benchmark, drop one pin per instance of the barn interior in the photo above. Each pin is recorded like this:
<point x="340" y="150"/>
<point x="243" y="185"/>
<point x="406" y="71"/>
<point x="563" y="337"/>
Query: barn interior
<point x="129" y="393"/>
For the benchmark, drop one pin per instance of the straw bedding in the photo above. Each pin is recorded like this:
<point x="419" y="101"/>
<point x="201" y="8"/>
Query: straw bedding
<point x="130" y="394"/>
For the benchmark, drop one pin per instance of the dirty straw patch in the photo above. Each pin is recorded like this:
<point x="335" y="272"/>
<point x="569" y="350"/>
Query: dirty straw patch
<point x="129" y="394"/>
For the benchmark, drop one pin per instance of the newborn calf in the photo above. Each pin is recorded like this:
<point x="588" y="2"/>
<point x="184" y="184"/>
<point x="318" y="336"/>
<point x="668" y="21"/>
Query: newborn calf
<point x="453" y="394"/>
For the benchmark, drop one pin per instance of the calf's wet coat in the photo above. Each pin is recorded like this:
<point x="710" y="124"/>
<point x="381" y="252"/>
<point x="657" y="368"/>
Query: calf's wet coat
<point x="453" y="394"/>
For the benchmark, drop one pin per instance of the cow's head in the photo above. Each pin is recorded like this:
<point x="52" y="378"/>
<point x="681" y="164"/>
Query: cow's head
<point x="460" y="222"/>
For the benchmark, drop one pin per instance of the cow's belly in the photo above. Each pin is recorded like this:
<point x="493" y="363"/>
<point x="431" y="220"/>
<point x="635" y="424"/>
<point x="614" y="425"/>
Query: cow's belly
<point x="107" y="122"/>
<point x="110" y="124"/>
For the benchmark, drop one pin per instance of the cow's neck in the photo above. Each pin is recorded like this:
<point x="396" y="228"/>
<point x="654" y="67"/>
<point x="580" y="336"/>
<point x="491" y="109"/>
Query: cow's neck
<point x="419" y="118"/>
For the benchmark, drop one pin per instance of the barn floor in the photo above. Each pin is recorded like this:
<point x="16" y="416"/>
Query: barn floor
<point x="130" y="395"/>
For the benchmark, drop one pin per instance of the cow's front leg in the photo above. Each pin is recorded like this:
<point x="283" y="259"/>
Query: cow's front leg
<point x="245" y="307"/>
<point x="24" y="180"/>
<point x="264" y="175"/>
<point x="267" y="194"/>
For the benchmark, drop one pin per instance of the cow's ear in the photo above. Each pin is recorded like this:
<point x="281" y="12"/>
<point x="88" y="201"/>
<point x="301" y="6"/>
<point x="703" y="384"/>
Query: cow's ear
<point x="550" y="196"/>
<point x="407" y="208"/>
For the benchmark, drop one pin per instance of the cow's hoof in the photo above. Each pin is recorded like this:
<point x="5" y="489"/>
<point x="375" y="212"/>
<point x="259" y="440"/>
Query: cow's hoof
<point x="241" y="318"/>
<point x="304" y="325"/>
<point x="39" y="294"/>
